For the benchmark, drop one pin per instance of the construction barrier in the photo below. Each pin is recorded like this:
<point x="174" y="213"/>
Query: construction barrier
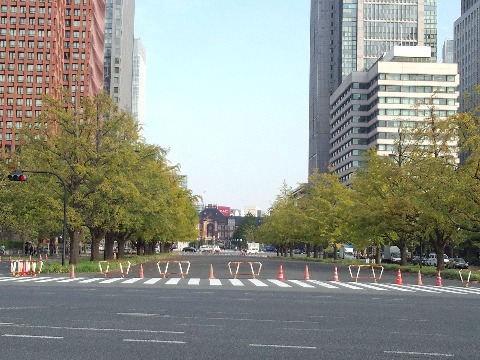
<point x="251" y="264"/>
<point x="469" y="280"/>
<point x="25" y="267"/>
<point x="180" y="264"/>
<point x="372" y="267"/>
<point x="121" y="271"/>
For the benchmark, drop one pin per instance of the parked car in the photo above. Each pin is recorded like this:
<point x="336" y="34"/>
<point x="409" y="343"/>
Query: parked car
<point x="189" y="249"/>
<point x="270" y="248"/>
<point x="432" y="259"/>
<point x="457" y="263"/>
<point x="416" y="260"/>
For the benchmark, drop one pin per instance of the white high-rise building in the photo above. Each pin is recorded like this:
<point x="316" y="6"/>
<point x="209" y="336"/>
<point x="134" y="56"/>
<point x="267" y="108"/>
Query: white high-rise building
<point x="370" y="107"/>
<point x="350" y="35"/>
<point x="139" y="82"/>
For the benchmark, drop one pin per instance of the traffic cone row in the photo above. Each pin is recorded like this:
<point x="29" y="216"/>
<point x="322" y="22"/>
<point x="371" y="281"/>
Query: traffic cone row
<point x="140" y="272"/>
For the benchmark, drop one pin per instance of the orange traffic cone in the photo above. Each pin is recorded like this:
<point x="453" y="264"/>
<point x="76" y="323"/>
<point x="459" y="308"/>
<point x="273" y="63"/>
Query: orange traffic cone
<point x="335" y="274"/>
<point x="307" y="275"/>
<point x="72" y="272"/>
<point x="419" y="278"/>
<point x="280" y="274"/>
<point x="399" y="278"/>
<point x="211" y="276"/>
<point x="439" y="279"/>
<point x="140" y="274"/>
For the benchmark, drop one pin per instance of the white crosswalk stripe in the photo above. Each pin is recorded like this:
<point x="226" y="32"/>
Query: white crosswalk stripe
<point x="305" y="284"/>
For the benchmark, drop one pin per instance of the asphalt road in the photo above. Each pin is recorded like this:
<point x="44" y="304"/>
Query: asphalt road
<point x="128" y="319"/>
<point x="94" y="322"/>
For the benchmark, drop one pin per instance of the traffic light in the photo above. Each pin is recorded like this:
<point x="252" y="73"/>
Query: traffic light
<point x="17" y="176"/>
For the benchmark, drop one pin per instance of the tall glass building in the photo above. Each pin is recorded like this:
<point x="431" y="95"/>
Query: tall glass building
<point x="467" y="52"/>
<point x="350" y="35"/>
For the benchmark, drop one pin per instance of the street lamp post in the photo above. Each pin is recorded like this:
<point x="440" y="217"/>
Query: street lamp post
<point x="64" y="204"/>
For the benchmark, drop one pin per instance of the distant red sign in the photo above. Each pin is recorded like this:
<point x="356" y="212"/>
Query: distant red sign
<point x="225" y="210"/>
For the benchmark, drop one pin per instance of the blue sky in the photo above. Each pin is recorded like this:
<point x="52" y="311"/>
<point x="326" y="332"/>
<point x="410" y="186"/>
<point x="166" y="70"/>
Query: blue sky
<point x="227" y="92"/>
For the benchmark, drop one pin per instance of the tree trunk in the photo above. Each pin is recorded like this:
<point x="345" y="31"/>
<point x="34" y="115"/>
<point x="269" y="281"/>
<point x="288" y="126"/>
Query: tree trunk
<point x="377" y="254"/>
<point x="121" y="247"/>
<point x="308" y="250"/>
<point x="335" y="255"/>
<point x="109" y="242"/>
<point x="315" y="251"/>
<point x="75" y="237"/>
<point x="97" y="235"/>
<point x="403" y="254"/>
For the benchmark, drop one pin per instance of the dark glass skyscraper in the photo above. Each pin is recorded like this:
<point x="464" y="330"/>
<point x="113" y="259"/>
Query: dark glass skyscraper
<point x="350" y="35"/>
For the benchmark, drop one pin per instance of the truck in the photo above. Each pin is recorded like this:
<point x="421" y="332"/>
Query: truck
<point x="346" y="252"/>
<point x="253" y="248"/>
<point x="391" y="254"/>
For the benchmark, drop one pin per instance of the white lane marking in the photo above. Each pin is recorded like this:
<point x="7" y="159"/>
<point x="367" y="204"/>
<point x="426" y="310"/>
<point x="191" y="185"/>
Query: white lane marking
<point x="155" y="341"/>
<point x="371" y="286"/>
<point x="194" y="281"/>
<point x="90" y="280"/>
<point x="136" y="314"/>
<point x="347" y="285"/>
<point x="257" y="282"/>
<point x="173" y="281"/>
<point x="27" y="279"/>
<point x="91" y="329"/>
<point x="236" y="282"/>
<point x="301" y="283"/>
<point x="421" y="288"/>
<point x="324" y="284"/>
<point x="131" y="280"/>
<point x="70" y="280"/>
<point x="109" y="281"/>
<point x="43" y="280"/>
<point x="33" y="336"/>
<point x="279" y="283"/>
<point x="418" y="353"/>
<point x="396" y="287"/>
<point x="443" y="289"/>
<point x="152" y="281"/>
<point x="9" y="279"/>
<point x="283" y="346"/>
<point x="472" y="289"/>
<point x="215" y="282"/>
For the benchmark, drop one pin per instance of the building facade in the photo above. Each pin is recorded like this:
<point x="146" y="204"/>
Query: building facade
<point x="139" y="83"/>
<point x="45" y="45"/>
<point x="370" y="107"/>
<point x="448" y="50"/>
<point x="350" y="35"/>
<point x="118" y="60"/>
<point x="467" y="52"/>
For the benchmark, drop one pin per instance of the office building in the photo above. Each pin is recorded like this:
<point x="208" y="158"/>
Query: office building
<point x="139" y="86"/>
<point x="447" y="51"/>
<point x="118" y="61"/>
<point x="350" y="35"/>
<point x="370" y="107"/>
<point x="467" y="52"/>
<point x="45" y="45"/>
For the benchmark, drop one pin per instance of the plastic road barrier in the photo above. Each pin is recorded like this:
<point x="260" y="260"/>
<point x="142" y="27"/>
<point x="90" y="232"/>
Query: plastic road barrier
<point x="372" y="267"/>
<point x="468" y="280"/>
<point x="26" y="267"/>
<point x="249" y="263"/>
<point x="181" y="270"/>
<point x="121" y="271"/>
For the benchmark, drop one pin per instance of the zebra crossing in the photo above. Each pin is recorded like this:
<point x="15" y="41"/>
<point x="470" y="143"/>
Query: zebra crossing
<point x="249" y="283"/>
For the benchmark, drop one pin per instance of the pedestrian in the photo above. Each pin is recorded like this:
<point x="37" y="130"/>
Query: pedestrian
<point x="31" y="250"/>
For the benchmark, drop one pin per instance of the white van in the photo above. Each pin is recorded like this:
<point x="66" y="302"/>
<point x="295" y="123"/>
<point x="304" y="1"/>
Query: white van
<point x="432" y="259"/>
